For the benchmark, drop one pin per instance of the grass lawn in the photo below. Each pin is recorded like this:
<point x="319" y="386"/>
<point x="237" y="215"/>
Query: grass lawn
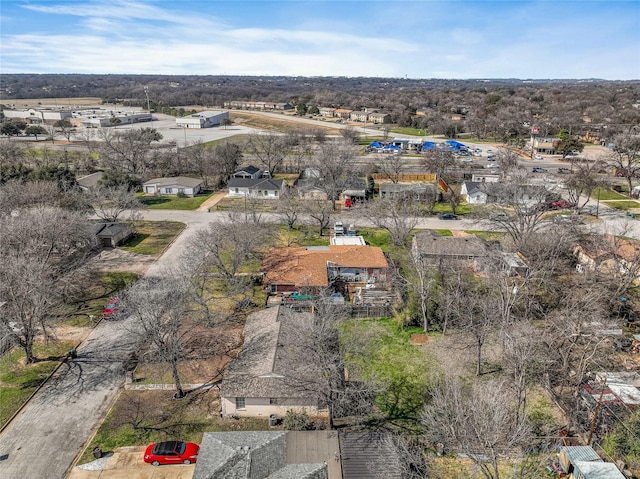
<point x="605" y="194"/>
<point x="173" y="202"/>
<point x="389" y="359"/>
<point x="142" y="417"/>
<point x="461" y="210"/>
<point x="95" y="293"/>
<point x="153" y="236"/>
<point x="622" y="205"/>
<point x="409" y="131"/>
<point x="488" y="235"/>
<point x="18" y="380"/>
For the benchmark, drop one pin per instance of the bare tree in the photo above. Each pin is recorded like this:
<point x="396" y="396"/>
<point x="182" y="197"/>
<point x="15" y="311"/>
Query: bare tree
<point x="289" y="206"/>
<point x="320" y="210"/>
<point x="40" y="248"/>
<point x="334" y="163"/>
<point x="439" y="162"/>
<point x="508" y="159"/>
<point x="395" y="215"/>
<point x="10" y="152"/>
<point x="391" y="166"/>
<point x="583" y="181"/>
<point x="109" y="203"/>
<point x="349" y="134"/>
<point x="625" y="157"/>
<point x="476" y="420"/>
<point x="422" y="285"/>
<point x="269" y="149"/>
<point x="129" y="150"/>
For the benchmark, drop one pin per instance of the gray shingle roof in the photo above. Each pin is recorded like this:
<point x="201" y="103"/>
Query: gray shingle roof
<point x="368" y="454"/>
<point x="259" y="184"/>
<point x="91" y="180"/>
<point x="271" y="361"/>
<point x="251" y="170"/>
<point x="429" y="243"/>
<point x="106" y="230"/>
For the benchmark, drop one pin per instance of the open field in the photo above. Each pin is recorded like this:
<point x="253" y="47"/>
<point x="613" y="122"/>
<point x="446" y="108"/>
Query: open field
<point x="153" y="236"/>
<point x="269" y="123"/>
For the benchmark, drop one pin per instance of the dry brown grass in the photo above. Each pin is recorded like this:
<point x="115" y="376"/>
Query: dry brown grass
<point x="281" y="125"/>
<point x="60" y="102"/>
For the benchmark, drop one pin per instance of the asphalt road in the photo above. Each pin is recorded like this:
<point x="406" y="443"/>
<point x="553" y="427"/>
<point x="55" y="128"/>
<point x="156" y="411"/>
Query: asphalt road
<point x="43" y="441"/>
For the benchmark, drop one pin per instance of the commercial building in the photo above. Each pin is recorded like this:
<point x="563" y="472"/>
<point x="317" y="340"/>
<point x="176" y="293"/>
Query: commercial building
<point x="203" y="119"/>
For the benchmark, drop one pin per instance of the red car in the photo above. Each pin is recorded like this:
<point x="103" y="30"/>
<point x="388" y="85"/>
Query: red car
<point x="171" y="452"/>
<point x="110" y="308"/>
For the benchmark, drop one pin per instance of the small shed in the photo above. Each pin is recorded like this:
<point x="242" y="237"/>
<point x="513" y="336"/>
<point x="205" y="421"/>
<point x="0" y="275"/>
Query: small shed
<point x="596" y="470"/>
<point x="569" y="455"/>
<point x="111" y="235"/>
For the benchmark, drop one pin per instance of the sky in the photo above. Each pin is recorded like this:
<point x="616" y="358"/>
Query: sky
<point x="371" y="38"/>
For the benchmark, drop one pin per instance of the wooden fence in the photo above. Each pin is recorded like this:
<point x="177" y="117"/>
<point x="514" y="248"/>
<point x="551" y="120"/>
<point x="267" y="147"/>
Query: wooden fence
<point x="429" y="177"/>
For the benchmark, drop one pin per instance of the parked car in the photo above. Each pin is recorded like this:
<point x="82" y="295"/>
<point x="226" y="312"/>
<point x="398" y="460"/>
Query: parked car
<point x="564" y="171"/>
<point x="499" y="217"/>
<point x="493" y="165"/>
<point x="562" y="204"/>
<point x="538" y="157"/>
<point x="110" y="308"/>
<point x="171" y="452"/>
<point x="537" y="169"/>
<point x="467" y="160"/>
<point x="447" y="216"/>
<point x="568" y="219"/>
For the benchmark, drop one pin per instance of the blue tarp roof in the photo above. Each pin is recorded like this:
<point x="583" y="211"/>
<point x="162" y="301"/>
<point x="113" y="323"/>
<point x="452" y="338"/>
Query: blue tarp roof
<point x="428" y="145"/>
<point x="375" y="144"/>
<point x="455" y="144"/>
<point x="391" y="147"/>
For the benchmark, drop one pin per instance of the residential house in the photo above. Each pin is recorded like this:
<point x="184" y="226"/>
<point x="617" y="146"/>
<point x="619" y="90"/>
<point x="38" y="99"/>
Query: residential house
<point x="361" y="116"/>
<point x="271" y="375"/>
<point x="343" y="113"/>
<point x="610" y="255"/>
<point x="203" y="119"/>
<point x="416" y="191"/>
<point x="90" y="181"/>
<point x="617" y="389"/>
<point x="113" y="234"/>
<point x="485" y="178"/>
<point x="379" y="118"/>
<point x="266" y="188"/>
<point x="469" y="249"/>
<point x="249" y="172"/>
<point x="268" y="454"/>
<point x="474" y="193"/>
<point x="172" y="186"/>
<point x="312" y="269"/>
<point x="327" y="112"/>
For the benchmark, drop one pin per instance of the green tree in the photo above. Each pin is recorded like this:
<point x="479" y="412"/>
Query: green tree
<point x="624" y="440"/>
<point x="12" y="127"/>
<point x="225" y="122"/>
<point x="313" y="110"/>
<point x="301" y="107"/>
<point x="35" y="130"/>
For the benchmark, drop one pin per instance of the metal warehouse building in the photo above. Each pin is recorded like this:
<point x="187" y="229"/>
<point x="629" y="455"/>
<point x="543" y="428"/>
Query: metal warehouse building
<point x="203" y="119"/>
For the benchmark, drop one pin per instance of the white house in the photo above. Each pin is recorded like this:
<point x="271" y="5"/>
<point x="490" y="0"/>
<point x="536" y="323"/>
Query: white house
<point x="173" y="186"/>
<point x="203" y="119"/>
<point x="473" y="193"/>
<point x="271" y="374"/>
<point x="260" y="188"/>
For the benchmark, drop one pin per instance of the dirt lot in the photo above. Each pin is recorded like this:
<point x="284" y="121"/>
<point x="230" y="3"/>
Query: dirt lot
<point x="119" y="260"/>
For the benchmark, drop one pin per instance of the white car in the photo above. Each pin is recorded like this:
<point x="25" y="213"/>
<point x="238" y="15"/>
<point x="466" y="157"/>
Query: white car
<point x="493" y="165"/>
<point x="466" y="160"/>
<point x="538" y="157"/>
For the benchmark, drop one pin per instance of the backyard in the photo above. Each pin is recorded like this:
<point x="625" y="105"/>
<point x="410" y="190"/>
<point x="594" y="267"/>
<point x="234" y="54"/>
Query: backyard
<point x="173" y="202"/>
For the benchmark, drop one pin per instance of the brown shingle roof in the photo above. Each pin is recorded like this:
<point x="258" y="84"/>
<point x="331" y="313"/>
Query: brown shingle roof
<point x="429" y="243"/>
<point x="308" y="267"/>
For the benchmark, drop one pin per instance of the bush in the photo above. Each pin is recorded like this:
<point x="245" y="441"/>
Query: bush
<point x="296" y="420"/>
<point x="181" y="194"/>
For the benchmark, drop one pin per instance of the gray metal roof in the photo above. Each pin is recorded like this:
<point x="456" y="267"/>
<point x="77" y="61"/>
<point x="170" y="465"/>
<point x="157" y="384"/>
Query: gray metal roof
<point x="596" y="470"/>
<point x="580" y="453"/>
<point x="90" y="180"/>
<point x="257" y="184"/>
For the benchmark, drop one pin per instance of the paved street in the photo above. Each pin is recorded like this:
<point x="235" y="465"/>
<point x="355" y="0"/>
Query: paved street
<point x="43" y="441"/>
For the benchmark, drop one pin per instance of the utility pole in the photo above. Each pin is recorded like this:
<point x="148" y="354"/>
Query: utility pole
<point x="594" y="421"/>
<point x="146" y="92"/>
